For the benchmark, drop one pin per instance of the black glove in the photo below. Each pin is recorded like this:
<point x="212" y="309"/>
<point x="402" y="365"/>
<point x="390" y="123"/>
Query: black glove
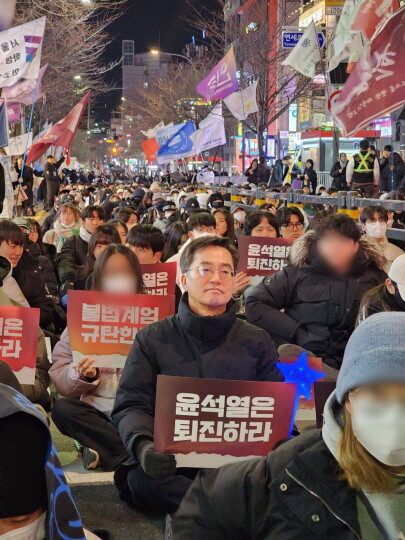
<point x="155" y="464"/>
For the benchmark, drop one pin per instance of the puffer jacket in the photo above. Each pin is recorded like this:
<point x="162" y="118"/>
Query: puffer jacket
<point x="187" y="345"/>
<point x="71" y="257"/>
<point x="319" y="308"/>
<point x="64" y="374"/>
<point x="296" y="492"/>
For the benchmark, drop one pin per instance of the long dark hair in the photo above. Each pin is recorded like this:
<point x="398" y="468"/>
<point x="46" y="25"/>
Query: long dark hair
<point x="175" y="232"/>
<point x="104" y="235"/>
<point x="230" y="226"/>
<point x="119" y="249"/>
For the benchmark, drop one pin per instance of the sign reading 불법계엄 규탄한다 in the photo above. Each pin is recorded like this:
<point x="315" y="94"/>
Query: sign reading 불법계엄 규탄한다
<point x="160" y="278"/>
<point x="263" y="256"/>
<point x="210" y="422"/>
<point x="19" y="339"/>
<point x="104" y="325"/>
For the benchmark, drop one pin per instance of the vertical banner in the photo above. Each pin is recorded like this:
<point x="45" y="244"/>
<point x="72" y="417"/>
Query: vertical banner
<point x="160" y="278"/>
<point x="104" y="325"/>
<point x="263" y="256"/>
<point x="18" y="340"/>
<point x="210" y="422"/>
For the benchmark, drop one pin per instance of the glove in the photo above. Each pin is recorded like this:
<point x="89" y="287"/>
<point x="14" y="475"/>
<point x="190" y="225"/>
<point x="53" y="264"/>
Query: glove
<point x="63" y="301"/>
<point x="155" y="464"/>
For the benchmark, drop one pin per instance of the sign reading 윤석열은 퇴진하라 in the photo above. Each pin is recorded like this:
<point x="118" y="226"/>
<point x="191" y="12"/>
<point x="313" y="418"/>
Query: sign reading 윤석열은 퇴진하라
<point x="104" y="325"/>
<point x="263" y="256"/>
<point x="210" y="422"/>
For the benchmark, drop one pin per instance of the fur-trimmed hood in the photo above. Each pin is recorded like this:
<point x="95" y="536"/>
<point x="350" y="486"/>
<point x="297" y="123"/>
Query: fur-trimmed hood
<point x="302" y="252"/>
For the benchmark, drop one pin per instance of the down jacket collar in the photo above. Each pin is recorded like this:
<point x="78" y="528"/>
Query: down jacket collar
<point x="206" y="328"/>
<point x="303" y="254"/>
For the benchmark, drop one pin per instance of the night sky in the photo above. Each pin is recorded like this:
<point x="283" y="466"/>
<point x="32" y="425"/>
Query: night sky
<point x="151" y="24"/>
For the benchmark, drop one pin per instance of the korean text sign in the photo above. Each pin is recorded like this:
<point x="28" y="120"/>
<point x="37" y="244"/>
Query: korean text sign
<point x="263" y="256"/>
<point x="210" y="422"/>
<point x="104" y="325"/>
<point x="160" y="279"/>
<point x="18" y="340"/>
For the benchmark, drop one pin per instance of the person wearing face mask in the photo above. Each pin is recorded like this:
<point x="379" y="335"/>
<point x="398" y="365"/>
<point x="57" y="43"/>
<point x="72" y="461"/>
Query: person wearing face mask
<point x="216" y="201"/>
<point x="345" y="481"/>
<point x="374" y="220"/>
<point x="389" y="296"/>
<point x="88" y="420"/>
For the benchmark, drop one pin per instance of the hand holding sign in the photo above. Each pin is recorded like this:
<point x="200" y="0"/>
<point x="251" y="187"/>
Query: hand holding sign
<point x="86" y="368"/>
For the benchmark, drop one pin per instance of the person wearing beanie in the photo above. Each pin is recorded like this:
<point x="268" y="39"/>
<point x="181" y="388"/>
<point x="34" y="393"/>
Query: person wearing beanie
<point x="215" y="201"/>
<point x="345" y="481"/>
<point x="167" y="214"/>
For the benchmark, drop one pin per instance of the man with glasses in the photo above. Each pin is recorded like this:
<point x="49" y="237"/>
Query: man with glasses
<point x="291" y="222"/>
<point x="204" y="339"/>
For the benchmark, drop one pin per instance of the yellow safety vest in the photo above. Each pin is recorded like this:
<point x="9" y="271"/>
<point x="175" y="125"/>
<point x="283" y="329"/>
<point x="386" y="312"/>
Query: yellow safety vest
<point x="363" y="165"/>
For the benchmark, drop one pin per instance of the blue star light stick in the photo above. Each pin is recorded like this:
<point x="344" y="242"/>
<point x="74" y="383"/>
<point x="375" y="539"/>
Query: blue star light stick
<point x="303" y="377"/>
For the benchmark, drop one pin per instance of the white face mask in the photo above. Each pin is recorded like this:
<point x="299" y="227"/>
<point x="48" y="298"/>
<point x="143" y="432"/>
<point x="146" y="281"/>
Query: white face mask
<point x="380" y="428"/>
<point x="33" y="531"/>
<point x="239" y="217"/>
<point x="376" y="230"/>
<point x="119" y="284"/>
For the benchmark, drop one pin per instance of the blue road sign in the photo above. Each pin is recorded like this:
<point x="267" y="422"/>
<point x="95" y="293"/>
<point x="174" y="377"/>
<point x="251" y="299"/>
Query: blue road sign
<point x="290" y="39"/>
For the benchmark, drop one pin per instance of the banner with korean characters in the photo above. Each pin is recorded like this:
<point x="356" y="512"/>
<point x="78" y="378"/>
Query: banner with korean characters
<point x="263" y="256"/>
<point x="18" y="340"/>
<point x="211" y="422"/>
<point x="160" y="278"/>
<point x="104" y="325"/>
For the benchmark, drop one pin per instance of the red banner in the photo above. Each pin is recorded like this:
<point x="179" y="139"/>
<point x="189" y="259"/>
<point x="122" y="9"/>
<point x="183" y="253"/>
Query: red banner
<point x="210" y="422"/>
<point x="160" y="278"/>
<point x="376" y="86"/>
<point x="371" y="14"/>
<point x="19" y="339"/>
<point x="263" y="256"/>
<point x="104" y="325"/>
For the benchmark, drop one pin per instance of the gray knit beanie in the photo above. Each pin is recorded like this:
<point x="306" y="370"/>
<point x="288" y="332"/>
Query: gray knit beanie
<point x="375" y="353"/>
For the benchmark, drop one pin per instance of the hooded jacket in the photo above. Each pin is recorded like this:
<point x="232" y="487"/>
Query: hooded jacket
<point x="319" y="308"/>
<point x="296" y="492"/>
<point x="187" y="345"/>
<point x="62" y="520"/>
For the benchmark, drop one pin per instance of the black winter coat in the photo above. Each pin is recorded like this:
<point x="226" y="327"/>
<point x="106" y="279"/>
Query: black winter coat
<point x="320" y="309"/>
<point x="312" y="181"/>
<point x="339" y="179"/>
<point x="29" y="275"/>
<point x="72" y="256"/>
<point x="186" y="345"/>
<point x="46" y="265"/>
<point x="51" y="170"/>
<point x="295" y="493"/>
<point x="49" y="221"/>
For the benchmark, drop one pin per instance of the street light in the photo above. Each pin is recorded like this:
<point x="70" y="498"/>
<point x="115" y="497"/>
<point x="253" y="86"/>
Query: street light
<point x="77" y="77"/>
<point x="156" y="52"/>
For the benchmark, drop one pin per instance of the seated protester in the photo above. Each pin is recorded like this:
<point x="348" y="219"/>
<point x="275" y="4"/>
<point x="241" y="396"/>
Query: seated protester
<point x="225" y="225"/>
<point x="147" y="242"/>
<point x="47" y="250"/>
<point x="66" y="225"/>
<point x="35" y="499"/>
<point x="26" y="271"/>
<point x="313" y="302"/>
<point x="121" y="228"/>
<point x="344" y="481"/>
<point x="223" y="347"/>
<point x="127" y="216"/>
<point x="374" y="220"/>
<point x="168" y="214"/>
<point x="291" y="222"/>
<point x="110" y="205"/>
<point x="74" y="250"/>
<point x="88" y="420"/>
<point x="101" y="238"/>
<point x="389" y="296"/>
<point x="177" y="236"/>
<point x="37" y="392"/>
<point x="215" y="201"/>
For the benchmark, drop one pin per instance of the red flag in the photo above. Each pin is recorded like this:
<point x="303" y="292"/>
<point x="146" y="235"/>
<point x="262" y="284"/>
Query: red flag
<point x="376" y="86"/>
<point x="150" y="148"/>
<point x="61" y="134"/>
<point x="372" y="13"/>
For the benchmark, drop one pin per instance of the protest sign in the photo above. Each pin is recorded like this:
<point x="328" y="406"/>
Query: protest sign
<point x="104" y="325"/>
<point x="160" y="279"/>
<point x="18" y="340"/>
<point x="211" y="422"/>
<point x="18" y="145"/>
<point x="263" y="256"/>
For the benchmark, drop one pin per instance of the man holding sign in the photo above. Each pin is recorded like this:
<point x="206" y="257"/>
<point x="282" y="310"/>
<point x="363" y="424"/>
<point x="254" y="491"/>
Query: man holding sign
<point x="204" y="339"/>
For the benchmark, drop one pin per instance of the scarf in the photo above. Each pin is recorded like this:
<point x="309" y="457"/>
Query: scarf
<point x="63" y="232"/>
<point x="342" y="164"/>
<point x="84" y="234"/>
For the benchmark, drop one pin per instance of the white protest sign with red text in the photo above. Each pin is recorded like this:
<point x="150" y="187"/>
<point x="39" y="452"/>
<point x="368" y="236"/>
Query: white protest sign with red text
<point x="211" y="422"/>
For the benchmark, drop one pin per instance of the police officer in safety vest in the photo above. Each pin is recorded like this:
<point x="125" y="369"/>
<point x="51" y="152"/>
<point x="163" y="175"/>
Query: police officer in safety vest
<point x="363" y="171"/>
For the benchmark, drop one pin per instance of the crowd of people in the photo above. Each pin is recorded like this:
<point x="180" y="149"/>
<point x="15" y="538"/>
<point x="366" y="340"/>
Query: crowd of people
<point x="341" y="297"/>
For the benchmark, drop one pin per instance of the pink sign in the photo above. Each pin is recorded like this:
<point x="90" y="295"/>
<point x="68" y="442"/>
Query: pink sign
<point x="222" y="80"/>
<point x="13" y="112"/>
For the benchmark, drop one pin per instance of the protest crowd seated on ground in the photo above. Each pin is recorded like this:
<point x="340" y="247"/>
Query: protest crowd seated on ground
<point x="135" y="281"/>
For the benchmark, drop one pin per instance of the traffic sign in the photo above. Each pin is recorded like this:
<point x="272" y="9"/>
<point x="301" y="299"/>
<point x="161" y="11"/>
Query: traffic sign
<point x="290" y="39"/>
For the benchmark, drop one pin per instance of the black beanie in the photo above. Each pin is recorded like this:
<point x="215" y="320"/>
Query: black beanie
<point x="23" y="452"/>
